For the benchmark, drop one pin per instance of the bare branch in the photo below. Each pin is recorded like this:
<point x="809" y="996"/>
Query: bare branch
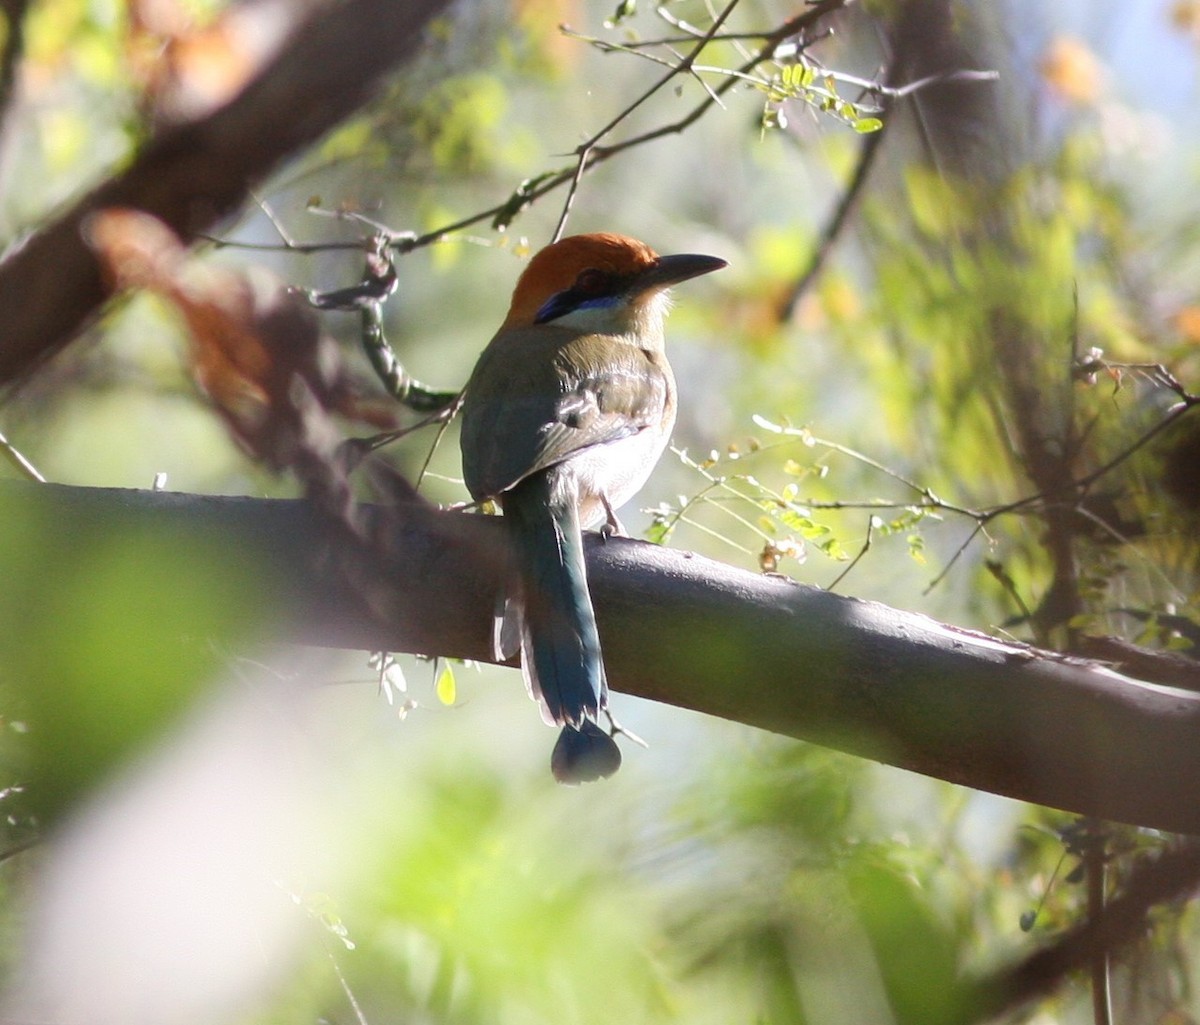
<point x="533" y="189"/>
<point x="584" y="151"/>
<point x="868" y="150"/>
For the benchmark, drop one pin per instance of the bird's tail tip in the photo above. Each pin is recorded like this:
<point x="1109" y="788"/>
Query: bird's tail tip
<point x="584" y="755"/>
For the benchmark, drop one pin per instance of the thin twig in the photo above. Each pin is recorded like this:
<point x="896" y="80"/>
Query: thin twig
<point x="18" y="460"/>
<point x="869" y="150"/>
<point x="1174" y="874"/>
<point x="359" y="1015"/>
<point x="583" y="152"/>
<point x="607" y="46"/>
<point x="866" y="547"/>
<point x="808" y="439"/>
<point x="1095" y="866"/>
<point x="533" y="190"/>
<point x="276" y="223"/>
<point x="447" y="417"/>
<point x="19" y="848"/>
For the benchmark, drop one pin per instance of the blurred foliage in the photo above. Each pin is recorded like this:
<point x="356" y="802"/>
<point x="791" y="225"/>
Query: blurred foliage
<point x="102" y="656"/>
<point x="929" y="378"/>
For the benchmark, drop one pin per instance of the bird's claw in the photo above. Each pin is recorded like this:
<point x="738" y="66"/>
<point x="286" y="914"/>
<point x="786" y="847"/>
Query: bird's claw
<point x="612" y="524"/>
<point x="616" y="729"/>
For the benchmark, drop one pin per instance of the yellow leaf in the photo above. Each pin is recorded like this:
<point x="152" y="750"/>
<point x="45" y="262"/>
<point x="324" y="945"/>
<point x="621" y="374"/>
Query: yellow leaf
<point x="1071" y="69"/>
<point x="445" y="687"/>
<point x="1187" y="322"/>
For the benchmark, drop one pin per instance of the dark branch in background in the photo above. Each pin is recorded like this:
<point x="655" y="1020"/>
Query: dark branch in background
<point x="1172" y="669"/>
<point x="194" y="176"/>
<point x="868" y="150"/>
<point x="927" y="38"/>
<point x="1049" y="453"/>
<point x="1174" y="875"/>
<point x="1069" y="493"/>
<point x="12" y="14"/>
<point x="1033" y="400"/>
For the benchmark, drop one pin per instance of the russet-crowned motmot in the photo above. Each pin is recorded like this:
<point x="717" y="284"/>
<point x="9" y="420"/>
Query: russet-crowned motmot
<point x="567" y="412"/>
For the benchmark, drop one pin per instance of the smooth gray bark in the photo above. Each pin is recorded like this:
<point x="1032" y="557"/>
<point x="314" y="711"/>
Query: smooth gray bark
<point x="678" y="628"/>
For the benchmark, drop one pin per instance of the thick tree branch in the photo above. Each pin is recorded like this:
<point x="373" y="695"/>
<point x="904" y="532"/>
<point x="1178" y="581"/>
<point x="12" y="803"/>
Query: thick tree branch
<point x="193" y="176"/>
<point x="854" y="675"/>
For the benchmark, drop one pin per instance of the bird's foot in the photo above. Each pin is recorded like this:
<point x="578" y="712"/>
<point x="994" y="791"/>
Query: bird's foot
<point x="616" y="729"/>
<point x="611" y="525"/>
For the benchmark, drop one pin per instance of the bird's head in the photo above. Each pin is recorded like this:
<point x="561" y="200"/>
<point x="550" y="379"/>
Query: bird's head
<point x="601" y="282"/>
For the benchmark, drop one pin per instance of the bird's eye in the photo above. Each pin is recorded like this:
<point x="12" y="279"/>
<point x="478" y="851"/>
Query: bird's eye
<point x="591" y="281"/>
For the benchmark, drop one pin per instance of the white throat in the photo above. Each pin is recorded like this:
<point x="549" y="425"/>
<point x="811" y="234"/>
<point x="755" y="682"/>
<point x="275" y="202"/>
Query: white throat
<point x="641" y="320"/>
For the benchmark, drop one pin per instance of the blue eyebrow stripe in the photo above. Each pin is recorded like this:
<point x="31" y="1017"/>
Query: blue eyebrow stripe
<point x="562" y="303"/>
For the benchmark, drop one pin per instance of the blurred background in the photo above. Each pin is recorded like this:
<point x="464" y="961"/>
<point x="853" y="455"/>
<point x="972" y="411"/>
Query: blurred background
<point x="204" y="824"/>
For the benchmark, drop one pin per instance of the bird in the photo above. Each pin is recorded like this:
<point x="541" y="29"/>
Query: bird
<point x="565" y="415"/>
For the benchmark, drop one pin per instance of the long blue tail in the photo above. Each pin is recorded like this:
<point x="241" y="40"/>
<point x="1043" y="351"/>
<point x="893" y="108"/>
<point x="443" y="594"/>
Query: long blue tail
<point x="560" y="646"/>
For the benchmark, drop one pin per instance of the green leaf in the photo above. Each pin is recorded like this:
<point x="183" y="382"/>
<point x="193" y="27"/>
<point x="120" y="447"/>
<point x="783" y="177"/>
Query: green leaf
<point x="625" y="9"/>
<point x="834" y="550"/>
<point x="866" y="125"/>
<point x="774" y="117"/>
<point x="916" y="548"/>
<point x="915" y="951"/>
<point x="519" y="200"/>
<point x="106" y="650"/>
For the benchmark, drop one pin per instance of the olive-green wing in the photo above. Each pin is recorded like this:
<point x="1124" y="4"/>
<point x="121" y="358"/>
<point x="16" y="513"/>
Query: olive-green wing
<point x="540" y="395"/>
